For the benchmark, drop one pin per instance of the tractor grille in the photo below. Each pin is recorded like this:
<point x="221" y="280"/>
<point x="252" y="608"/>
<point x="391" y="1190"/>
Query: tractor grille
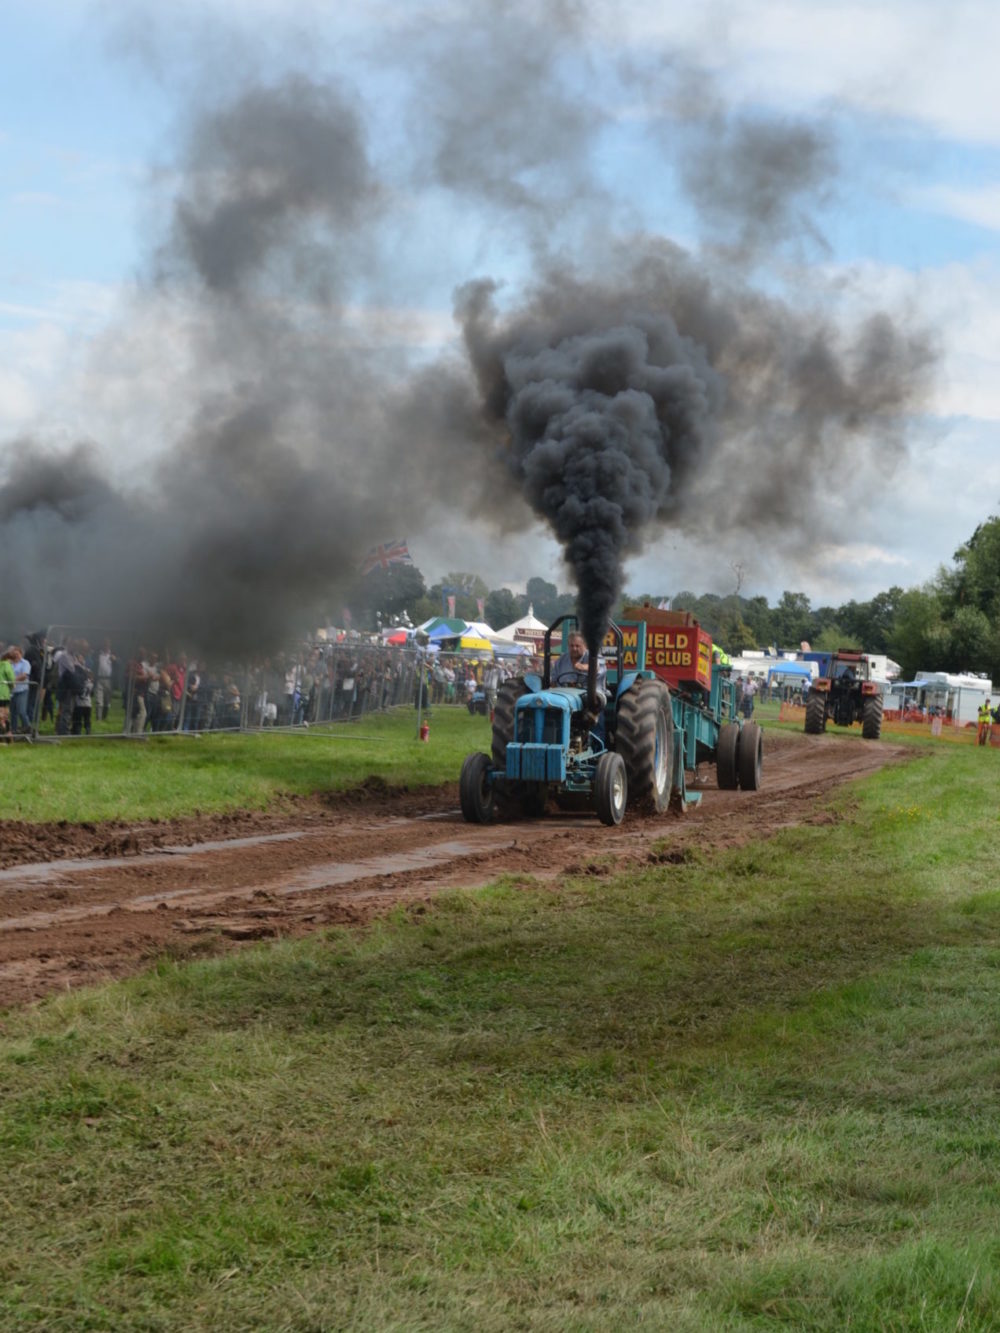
<point x="549" y="732"/>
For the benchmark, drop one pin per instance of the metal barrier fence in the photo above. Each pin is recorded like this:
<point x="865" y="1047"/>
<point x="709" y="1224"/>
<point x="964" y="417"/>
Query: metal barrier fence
<point x="895" y="723"/>
<point x="82" y="692"/>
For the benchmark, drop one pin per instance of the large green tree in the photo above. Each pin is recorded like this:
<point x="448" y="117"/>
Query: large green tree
<point x="386" y="592"/>
<point x="502" y="608"/>
<point x="916" y="636"/>
<point x="792" y="619"/>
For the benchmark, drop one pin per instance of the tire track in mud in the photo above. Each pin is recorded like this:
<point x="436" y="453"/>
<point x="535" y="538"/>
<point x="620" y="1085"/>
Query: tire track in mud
<point x="81" y="919"/>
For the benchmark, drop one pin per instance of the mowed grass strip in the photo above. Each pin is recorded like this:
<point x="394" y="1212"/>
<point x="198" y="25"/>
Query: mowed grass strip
<point x="172" y="776"/>
<point x="753" y="1090"/>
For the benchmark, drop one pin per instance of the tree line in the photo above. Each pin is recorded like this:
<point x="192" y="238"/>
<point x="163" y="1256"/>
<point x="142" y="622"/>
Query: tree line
<point x="951" y="623"/>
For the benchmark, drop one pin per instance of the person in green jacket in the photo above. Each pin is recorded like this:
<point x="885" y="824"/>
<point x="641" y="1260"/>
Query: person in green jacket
<point x="985" y="717"/>
<point x="6" y="686"/>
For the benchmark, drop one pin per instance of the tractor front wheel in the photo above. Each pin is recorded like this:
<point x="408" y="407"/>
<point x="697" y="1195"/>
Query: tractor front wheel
<point x="816" y="714"/>
<point x="475" y="791"/>
<point x="644" y="737"/>
<point x="610" y="788"/>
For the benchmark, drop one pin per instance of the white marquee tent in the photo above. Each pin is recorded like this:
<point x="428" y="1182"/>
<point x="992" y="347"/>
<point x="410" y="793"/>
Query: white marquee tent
<point x="529" y="629"/>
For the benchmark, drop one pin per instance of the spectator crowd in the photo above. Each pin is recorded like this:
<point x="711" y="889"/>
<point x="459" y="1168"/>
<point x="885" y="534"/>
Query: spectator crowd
<point x="66" y="687"/>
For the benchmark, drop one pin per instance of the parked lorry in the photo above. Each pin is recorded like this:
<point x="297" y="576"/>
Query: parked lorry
<point x="669" y="708"/>
<point x="846" y="693"/>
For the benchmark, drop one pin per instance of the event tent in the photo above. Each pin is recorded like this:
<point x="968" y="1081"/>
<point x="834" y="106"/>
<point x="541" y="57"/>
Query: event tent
<point x="503" y="645"/>
<point x="452" y="625"/>
<point x="790" y="670"/>
<point x="529" y="629"/>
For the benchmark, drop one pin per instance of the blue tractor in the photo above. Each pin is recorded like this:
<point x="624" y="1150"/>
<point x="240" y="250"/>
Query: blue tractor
<point x="558" y="742"/>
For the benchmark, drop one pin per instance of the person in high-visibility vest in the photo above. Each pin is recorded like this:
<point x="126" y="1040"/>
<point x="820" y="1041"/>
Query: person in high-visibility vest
<point x="985" y="721"/>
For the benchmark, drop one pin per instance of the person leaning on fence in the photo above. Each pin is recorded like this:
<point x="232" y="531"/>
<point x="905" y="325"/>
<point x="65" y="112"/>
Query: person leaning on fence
<point x="136" y="674"/>
<point x="102" y="686"/>
<point x="35" y="657"/>
<point x="83" y="696"/>
<point x="985" y="717"/>
<point x="491" y="683"/>
<point x="19" y="720"/>
<point x="64" y="660"/>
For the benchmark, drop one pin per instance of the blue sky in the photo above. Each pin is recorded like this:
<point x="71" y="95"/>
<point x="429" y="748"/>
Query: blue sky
<point x="92" y="98"/>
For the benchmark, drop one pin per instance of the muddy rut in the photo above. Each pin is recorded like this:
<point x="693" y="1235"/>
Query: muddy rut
<point x="84" y="903"/>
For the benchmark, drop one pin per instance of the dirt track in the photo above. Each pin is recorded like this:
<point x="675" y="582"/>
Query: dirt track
<point x="82" y="903"/>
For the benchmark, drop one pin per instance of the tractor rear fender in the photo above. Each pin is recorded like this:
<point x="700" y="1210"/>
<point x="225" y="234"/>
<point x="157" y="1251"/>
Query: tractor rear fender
<point x="630" y="677"/>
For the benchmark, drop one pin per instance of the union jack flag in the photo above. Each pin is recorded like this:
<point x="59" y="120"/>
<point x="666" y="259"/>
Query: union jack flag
<point x="388" y="553"/>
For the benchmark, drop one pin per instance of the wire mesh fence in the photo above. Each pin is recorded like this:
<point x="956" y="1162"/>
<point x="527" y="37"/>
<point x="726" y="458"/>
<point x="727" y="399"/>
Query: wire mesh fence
<point x="77" y="681"/>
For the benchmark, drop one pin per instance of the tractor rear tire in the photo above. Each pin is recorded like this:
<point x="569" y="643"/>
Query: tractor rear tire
<point x="503" y="718"/>
<point x="610" y="788"/>
<point x="474" y="791"/>
<point x="871" y="718"/>
<point x="816" y="714"/>
<point x="726" y="771"/>
<point x="750" y="755"/>
<point x="644" y="737"/>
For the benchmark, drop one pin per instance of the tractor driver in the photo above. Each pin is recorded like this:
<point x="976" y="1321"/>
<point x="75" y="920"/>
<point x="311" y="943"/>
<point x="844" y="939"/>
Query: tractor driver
<point x="572" y="667"/>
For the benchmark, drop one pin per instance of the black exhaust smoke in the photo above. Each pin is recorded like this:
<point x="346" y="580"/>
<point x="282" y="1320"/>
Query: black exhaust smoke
<point x="639" y="401"/>
<point x="603" y="423"/>
<point x="663" y="390"/>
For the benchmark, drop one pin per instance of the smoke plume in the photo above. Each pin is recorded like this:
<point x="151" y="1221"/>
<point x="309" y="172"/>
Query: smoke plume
<point x="614" y="385"/>
<point x="661" y="397"/>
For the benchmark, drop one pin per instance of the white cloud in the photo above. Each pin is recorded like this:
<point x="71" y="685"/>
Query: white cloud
<point x="958" y="303"/>
<point x="916" y="59"/>
<point x="980" y="206"/>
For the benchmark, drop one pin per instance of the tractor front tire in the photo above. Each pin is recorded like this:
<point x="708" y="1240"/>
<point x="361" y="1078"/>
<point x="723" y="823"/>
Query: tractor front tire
<point x="726" y="773"/>
<point x="610" y="788"/>
<point x="474" y="791"/>
<point x="816" y="714"/>
<point x="750" y="755"/>
<point x="644" y="737"/>
<point x="871" y="718"/>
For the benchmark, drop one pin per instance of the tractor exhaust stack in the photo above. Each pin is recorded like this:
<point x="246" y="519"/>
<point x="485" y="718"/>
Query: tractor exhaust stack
<point x="592" y="703"/>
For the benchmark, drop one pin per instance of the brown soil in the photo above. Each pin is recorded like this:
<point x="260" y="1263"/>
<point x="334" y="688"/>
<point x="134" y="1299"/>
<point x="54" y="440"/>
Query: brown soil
<point x="80" y="903"/>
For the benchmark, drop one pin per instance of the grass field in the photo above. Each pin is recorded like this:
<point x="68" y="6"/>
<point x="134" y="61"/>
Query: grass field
<point x="167" y="776"/>
<point x="174" y="775"/>
<point x="757" y="1089"/>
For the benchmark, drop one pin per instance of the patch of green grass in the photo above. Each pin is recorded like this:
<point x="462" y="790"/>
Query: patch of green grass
<point x="754" y="1090"/>
<point x="172" y="775"/>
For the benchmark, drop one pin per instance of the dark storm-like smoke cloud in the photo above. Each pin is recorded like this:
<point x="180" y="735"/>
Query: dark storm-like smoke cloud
<point x="659" y="396"/>
<point x="498" y="120"/>
<point x="630" y="387"/>
<point x="294" y="454"/>
<point x="259" y="172"/>
<point x="755" y="181"/>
